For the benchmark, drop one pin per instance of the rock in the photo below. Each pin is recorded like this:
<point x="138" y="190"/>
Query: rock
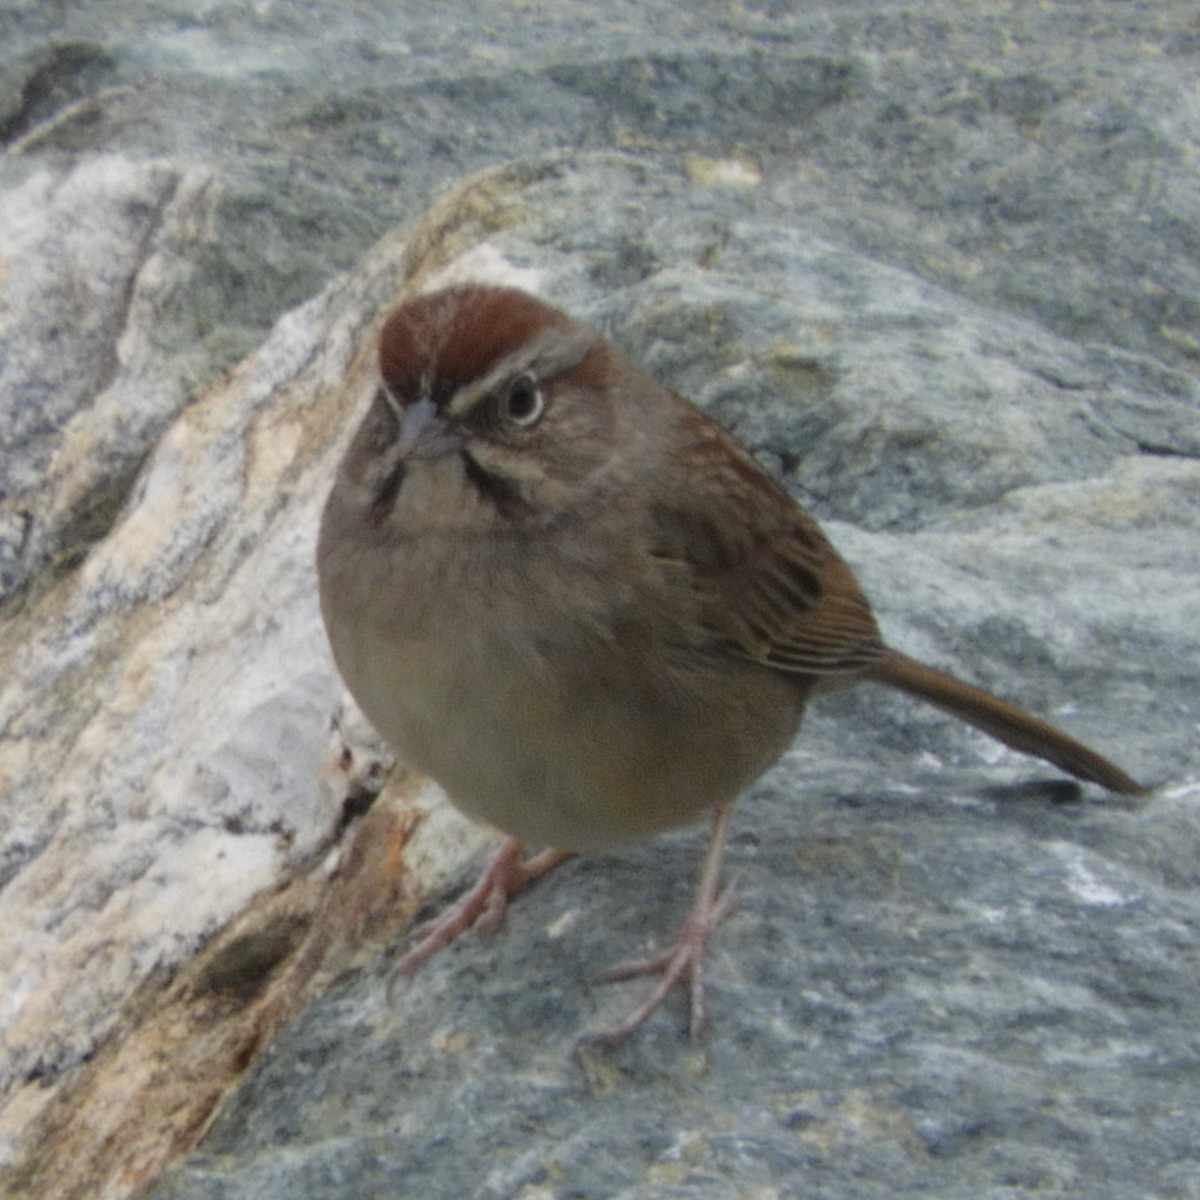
<point x="91" y="258"/>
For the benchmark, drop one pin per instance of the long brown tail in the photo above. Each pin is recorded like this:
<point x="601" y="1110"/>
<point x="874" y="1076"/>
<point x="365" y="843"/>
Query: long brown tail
<point x="1004" y="721"/>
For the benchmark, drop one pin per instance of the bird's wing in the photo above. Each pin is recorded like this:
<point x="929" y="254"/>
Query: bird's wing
<point x="765" y="582"/>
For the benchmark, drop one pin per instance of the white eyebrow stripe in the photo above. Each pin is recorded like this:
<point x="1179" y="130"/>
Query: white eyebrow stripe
<point x="467" y="397"/>
<point x="547" y="355"/>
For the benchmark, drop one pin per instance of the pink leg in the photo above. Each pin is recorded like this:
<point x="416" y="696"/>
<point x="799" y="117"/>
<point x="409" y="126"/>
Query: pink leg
<point x="483" y="905"/>
<point x="685" y="959"/>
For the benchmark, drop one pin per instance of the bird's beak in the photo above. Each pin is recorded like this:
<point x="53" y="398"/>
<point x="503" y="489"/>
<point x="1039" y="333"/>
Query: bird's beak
<point x="424" y="432"/>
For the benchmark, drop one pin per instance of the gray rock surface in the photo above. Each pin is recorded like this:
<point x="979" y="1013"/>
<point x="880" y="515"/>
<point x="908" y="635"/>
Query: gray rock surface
<point x="937" y="267"/>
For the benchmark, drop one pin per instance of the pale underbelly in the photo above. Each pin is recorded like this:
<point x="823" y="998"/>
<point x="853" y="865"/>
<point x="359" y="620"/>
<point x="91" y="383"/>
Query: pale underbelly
<point x="607" y="758"/>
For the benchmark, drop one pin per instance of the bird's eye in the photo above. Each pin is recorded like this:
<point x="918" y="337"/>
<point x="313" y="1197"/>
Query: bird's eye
<point x="523" y="402"/>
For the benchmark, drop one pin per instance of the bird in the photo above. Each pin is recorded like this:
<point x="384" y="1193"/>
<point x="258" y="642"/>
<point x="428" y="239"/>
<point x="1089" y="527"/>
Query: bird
<point x="567" y="594"/>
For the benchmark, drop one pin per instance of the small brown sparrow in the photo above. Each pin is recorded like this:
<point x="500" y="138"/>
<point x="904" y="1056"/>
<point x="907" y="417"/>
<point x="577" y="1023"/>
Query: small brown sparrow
<point x="565" y="593"/>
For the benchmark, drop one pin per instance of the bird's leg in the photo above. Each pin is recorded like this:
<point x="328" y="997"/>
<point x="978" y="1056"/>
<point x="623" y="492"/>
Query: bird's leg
<point x="483" y="905"/>
<point x="685" y="959"/>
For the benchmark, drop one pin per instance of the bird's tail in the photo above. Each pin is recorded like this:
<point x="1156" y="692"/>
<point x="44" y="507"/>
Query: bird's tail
<point x="1004" y="721"/>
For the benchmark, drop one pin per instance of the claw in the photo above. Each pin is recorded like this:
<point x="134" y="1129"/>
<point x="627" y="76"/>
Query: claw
<point x="685" y="959"/>
<point x="484" y="905"/>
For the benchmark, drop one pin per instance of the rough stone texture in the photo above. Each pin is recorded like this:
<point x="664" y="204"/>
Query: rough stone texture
<point x="937" y="266"/>
<point x="92" y="260"/>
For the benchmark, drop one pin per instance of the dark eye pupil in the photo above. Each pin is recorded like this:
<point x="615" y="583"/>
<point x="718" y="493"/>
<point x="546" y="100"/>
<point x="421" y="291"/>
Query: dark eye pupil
<point x="524" y="401"/>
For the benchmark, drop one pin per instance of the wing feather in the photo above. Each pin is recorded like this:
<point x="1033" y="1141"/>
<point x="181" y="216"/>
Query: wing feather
<point x="765" y="582"/>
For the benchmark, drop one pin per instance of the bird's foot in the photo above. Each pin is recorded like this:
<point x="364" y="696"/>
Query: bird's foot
<point x="483" y="906"/>
<point x="683" y="961"/>
<point x="679" y="963"/>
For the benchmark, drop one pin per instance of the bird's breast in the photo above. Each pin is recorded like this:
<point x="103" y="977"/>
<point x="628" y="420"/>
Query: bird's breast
<point x="551" y="712"/>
